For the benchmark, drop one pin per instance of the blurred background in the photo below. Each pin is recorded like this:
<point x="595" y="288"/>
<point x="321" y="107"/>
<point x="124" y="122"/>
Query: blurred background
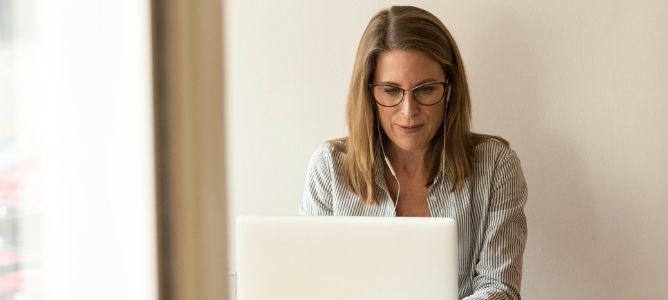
<point x="133" y="133"/>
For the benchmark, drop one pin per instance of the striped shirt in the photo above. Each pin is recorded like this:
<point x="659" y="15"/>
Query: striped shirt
<point x="489" y="210"/>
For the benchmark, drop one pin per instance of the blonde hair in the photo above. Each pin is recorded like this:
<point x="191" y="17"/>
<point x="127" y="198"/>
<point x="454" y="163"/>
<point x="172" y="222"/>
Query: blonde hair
<point x="407" y="28"/>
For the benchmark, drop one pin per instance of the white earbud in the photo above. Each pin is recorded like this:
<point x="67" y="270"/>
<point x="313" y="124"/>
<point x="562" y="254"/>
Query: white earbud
<point x="447" y="98"/>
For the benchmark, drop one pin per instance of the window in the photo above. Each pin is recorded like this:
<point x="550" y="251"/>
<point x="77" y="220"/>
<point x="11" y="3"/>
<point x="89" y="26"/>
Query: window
<point x="76" y="153"/>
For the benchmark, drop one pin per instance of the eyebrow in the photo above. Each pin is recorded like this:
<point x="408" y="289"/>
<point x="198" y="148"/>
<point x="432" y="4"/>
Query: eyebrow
<point x="419" y="83"/>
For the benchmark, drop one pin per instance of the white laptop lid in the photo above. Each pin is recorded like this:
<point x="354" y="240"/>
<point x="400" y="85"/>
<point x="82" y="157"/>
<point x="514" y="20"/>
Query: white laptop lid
<point x="346" y="258"/>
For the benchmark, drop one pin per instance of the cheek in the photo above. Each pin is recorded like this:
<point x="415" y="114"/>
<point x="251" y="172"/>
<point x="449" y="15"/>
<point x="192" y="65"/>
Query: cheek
<point x="436" y="118"/>
<point x="385" y="118"/>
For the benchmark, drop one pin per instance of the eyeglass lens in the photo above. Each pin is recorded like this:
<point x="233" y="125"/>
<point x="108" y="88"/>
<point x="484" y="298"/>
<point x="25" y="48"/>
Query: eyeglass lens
<point x="428" y="94"/>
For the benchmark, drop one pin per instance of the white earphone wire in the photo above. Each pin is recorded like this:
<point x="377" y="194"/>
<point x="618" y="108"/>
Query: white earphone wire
<point x="389" y="165"/>
<point x="445" y="118"/>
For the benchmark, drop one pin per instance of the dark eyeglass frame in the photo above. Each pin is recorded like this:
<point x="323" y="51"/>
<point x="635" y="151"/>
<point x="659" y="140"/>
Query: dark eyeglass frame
<point x="445" y="85"/>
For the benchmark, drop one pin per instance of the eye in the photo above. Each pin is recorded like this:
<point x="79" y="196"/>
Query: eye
<point x="392" y="90"/>
<point x="425" y="90"/>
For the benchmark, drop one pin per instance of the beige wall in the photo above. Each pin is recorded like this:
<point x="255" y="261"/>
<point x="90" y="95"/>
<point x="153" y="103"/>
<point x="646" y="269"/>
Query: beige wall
<point x="580" y="90"/>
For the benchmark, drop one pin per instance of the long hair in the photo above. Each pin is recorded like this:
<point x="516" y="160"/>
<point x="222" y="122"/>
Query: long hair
<point x="407" y="28"/>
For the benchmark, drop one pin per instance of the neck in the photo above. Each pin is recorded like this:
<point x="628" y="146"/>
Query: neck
<point x="411" y="163"/>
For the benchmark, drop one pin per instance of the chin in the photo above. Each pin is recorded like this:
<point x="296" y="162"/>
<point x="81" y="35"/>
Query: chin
<point x="411" y="145"/>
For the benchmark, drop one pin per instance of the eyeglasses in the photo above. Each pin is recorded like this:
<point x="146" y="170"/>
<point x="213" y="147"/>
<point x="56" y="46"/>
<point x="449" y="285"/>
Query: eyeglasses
<point x="427" y="94"/>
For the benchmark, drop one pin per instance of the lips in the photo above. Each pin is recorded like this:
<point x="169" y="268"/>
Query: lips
<point x="410" y="129"/>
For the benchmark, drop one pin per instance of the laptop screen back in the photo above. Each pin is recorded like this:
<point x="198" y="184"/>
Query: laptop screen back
<point x="346" y="258"/>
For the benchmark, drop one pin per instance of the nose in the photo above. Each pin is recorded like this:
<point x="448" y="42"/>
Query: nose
<point x="409" y="106"/>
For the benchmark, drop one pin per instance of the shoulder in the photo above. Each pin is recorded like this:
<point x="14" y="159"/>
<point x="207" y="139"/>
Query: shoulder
<point x="328" y="155"/>
<point x="492" y="151"/>
<point x="330" y="149"/>
<point x="499" y="171"/>
<point x="498" y="164"/>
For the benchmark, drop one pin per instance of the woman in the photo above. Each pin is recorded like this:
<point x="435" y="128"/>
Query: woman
<point x="410" y="152"/>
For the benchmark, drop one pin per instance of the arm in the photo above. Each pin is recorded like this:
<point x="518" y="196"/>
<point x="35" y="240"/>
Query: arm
<point x="317" y="199"/>
<point x="499" y="267"/>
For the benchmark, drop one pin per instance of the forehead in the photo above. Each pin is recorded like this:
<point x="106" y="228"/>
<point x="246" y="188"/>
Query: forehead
<point x="406" y="67"/>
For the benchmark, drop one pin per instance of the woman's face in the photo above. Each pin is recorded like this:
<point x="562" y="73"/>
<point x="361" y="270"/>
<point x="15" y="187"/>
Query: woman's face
<point x="410" y="126"/>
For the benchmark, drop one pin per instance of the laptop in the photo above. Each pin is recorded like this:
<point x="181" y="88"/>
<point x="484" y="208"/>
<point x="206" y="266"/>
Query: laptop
<point x="369" y="258"/>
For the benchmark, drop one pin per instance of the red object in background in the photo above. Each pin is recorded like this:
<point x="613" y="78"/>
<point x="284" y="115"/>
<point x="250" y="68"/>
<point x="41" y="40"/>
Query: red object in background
<point x="9" y="257"/>
<point x="16" y="196"/>
<point x="9" y="182"/>
<point x="16" y="191"/>
<point x="11" y="283"/>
